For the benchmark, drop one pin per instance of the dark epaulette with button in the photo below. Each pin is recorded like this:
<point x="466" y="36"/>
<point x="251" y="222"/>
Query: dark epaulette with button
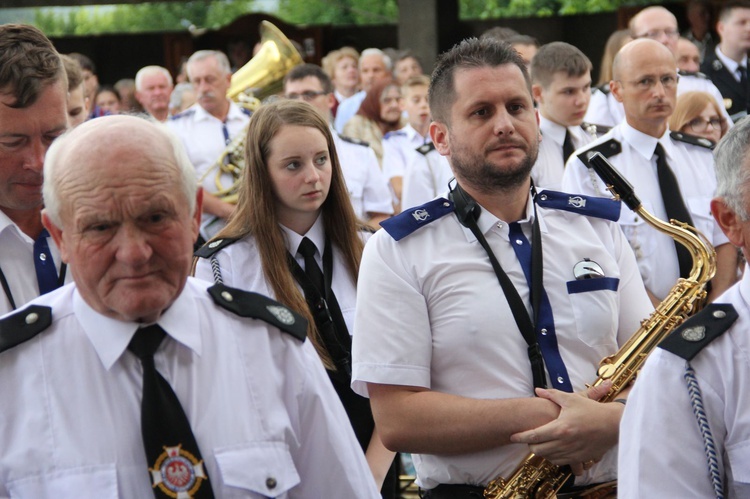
<point x="424" y="149"/>
<point x="595" y="130"/>
<point x="184" y="114"/>
<point x="352" y="140"/>
<point x="700" y="330"/>
<point x="604" y="88"/>
<point x="696" y="74"/>
<point x="591" y="206"/>
<point x="212" y="247"/>
<point x="692" y="139"/>
<point x="415" y="218"/>
<point x="257" y="306"/>
<point x="23" y="325"/>
<point x="610" y="148"/>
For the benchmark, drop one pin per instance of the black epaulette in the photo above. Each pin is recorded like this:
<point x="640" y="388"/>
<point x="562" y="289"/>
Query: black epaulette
<point x="412" y="219"/>
<point x="362" y="227"/>
<point x="594" y="129"/>
<point x="424" y="149"/>
<point x="591" y="206"/>
<point x="610" y="148"/>
<point x="604" y="88"/>
<point x="696" y="74"/>
<point x="212" y="247"/>
<point x="257" y="306"/>
<point x="352" y="140"/>
<point x="700" y="330"/>
<point x="184" y="114"/>
<point x="692" y="139"/>
<point x="23" y="325"/>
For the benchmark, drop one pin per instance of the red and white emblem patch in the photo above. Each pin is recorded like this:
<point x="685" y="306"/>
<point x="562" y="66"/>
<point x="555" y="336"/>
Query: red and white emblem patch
<point x="177" y="473"/>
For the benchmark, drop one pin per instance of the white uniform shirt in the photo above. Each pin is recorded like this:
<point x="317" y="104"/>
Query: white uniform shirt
<point x="605" y="110"/>
<point x="241" y="268"/>
<point x="368" y="188"/>
<point x="259" y="402"/>
<point x="548" y="169"/>
<point x="426" y="177"/>
<point x="431" y="314"/>
<point x="693" y="168"/>
<point x="661" y="451"/>
<point x="398" y="149"/>
<point x="17" y="264"/>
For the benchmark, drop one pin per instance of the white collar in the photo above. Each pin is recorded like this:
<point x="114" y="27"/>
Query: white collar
<point x="731" y="64"/>
<point x="8" y="225"/>
<point x="110" y="337"/>
<point x="233" y="114"/>
<point x="487" y="221"/>
<point x="316" y="234"/>
<point x="645" y="145"/>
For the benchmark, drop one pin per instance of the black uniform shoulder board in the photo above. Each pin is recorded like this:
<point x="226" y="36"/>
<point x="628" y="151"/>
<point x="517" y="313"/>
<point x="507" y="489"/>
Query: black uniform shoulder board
<point x="426" y="148"/>
<point x="212" y="247"/>
<point x="591" y="206"/>
<point x="257" y="306"/>
<point x="415" y="218"/>
<point x="700" y="330"/>
<point x="594" y="129"/>
<point x="610" y="148"/>
<point x="696" y="74"/>
<point x="692" y="139"/>
<point x="352" y="140"/>
<point x="604" y="88"/>
<point x="23" y="325"/>
<point x="184" y="114"/>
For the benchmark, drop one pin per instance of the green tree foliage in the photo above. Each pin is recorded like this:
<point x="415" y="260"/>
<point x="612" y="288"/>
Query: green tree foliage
<point x="339" y="11"/>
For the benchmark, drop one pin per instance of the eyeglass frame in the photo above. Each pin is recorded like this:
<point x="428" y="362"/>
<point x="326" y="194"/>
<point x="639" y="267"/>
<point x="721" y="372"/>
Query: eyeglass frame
<point x="643" y="87"/>
<point x="307" y="95"/>
<point x="656" y="33"/>
<point x="718" y="125"/>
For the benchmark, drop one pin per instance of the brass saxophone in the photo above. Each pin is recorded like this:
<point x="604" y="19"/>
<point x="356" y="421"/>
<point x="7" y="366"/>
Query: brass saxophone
<point x="537" y="478"/>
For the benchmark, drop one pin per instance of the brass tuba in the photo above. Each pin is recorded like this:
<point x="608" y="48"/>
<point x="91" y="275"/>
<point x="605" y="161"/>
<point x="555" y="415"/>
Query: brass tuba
<point x="261" y="77"/>
<point x="537" y="478"/>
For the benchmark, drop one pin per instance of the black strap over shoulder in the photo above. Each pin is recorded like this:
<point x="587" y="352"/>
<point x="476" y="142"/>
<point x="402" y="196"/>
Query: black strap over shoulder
<point x="467" y="212"/>
<point x="24" y="325"/>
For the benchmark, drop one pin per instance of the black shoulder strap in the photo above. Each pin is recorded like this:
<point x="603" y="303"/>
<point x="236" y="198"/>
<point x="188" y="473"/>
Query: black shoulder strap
<point x="257" y="306"/>
<point x="699" y="330"/>
<point x="693" y="140"/>
<point x="610" y="148"/>
<point x="213" y="247"/>
<point x="23" y="325"/>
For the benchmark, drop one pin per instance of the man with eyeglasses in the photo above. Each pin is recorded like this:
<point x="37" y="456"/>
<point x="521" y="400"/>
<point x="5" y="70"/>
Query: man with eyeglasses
<point x="655" y="23"/>
<point x="368" y="188"/>
<point x="672" y="173"/>
<point x="726" y="65"/>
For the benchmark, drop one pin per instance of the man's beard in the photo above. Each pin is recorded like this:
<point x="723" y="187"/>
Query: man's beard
<point x="487" y="177"/>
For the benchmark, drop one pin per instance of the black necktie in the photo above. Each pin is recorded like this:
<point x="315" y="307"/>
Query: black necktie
<point x="307" y="250"/>
<point x="743" y="75"/>
<point x="674" y="205"/>
<point x="175" y="464"/>
<point x="567" y="147"/>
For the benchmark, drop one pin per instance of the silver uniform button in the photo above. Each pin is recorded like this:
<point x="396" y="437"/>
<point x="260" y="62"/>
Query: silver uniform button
<point x="543" y="331"/>
<point x="446" y="204"/>
<point x="693" y="334"/>
<point x="543" y="197"/>
<point x="43" y="257"/>
<point x="519" y="242"/>
<point x="32" y="318"/>
<point x="271" y="482"/>
<point x="719" y="314"/>
<point x="560" y="380"/>
<point x="215" y="243"/>
<point x="227" y="295"/>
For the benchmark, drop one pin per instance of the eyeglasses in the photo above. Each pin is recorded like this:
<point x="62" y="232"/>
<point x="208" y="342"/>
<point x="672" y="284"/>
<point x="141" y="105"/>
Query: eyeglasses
<point x="657" y="33"/>
<point x="699" y="125"/>
<point x="649" y="82"/>
<point x="306" y="96"/>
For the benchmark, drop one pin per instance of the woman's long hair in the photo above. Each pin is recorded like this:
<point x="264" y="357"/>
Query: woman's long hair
<point x="256" y="212"/>
<point x="370" y="107"/>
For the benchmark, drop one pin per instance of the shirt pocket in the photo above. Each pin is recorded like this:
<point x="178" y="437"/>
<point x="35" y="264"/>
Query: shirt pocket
<point x="259" y="469"/>
<point x="739" y="462"/>
<point x="594" y="304"/>
<point x="700" y="211"/>
<point x="85" y="482"/>
<point x="639" y="234"/>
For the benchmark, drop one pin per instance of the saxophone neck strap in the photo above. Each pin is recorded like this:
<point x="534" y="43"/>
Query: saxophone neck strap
<point x="468" y="212"/>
